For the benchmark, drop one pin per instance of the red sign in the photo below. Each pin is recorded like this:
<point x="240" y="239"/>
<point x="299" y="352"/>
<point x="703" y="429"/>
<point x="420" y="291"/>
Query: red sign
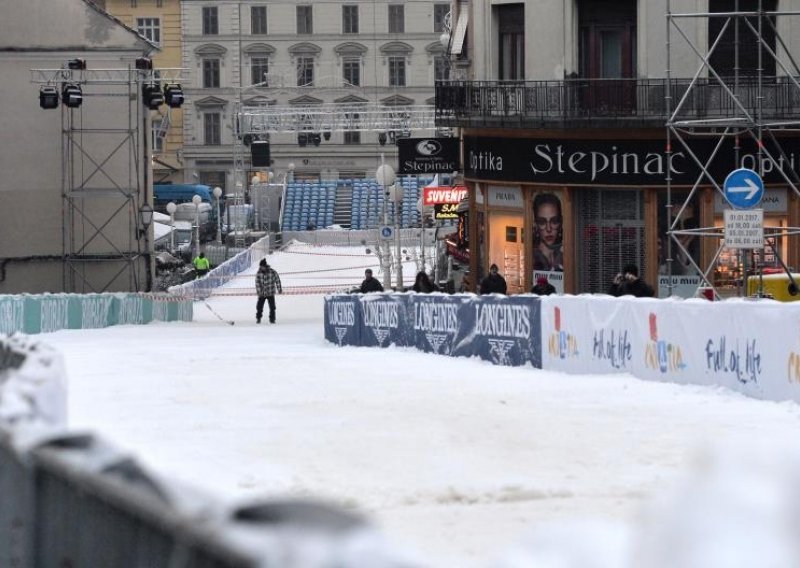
<point x="443" y="194"/>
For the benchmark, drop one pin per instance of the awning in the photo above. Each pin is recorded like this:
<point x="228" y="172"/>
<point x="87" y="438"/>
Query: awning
<point x="461" y="32"/>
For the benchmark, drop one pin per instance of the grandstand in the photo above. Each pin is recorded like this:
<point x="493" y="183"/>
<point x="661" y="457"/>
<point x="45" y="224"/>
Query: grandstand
<point x="351" y="203"/>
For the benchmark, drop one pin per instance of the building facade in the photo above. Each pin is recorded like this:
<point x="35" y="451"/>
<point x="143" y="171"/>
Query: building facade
<point x="294" y="54"/>
<point x="159" y="21"/>
<point x="73" y="176"/>
<point x="598" y="133"/>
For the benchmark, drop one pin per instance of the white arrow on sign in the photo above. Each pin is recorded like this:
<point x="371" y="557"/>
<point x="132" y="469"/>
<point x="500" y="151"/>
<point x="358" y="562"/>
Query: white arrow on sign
<point x="751" y="187"/>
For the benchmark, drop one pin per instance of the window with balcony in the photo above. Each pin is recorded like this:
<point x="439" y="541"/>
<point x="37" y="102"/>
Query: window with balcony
<point x="351" y="70"/>
<point x="305" y="21"/>
<point x="397" y="71"/>
<point x="440" y="11"/>
<point x="305" y="71"/>
<point x="149" y="28"/>
<point x="211" y="73"/>
<point x="210" y="20"/>
<point x="259" y="67"/>
<point x="349" y="19"/>
<point x="747" y="44"/>
<point x="607" y="39"/>
<point x="258" y="20"/>
<point x="511" y="48"/>
<point x="441" y="68"/>
<point x="397" y="19"/>
<point x="212" y="129"/>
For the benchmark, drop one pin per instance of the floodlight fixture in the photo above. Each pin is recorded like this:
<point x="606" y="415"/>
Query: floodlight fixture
<point x="302" y="139"/>
<point x="315" y="138"/>
<point x="48" y="97"/>
<point x="173" y="96"/>
<point x="71" y="95"/>
<point x="152" y="96"/>
<point x="144" y="64"/>
<point x="382" y="138"/>
<point x="327" y="135"/>
<point x="76" y="64"/>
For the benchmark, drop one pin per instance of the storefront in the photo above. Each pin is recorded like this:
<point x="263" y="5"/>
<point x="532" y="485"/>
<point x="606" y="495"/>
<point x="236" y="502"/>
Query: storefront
<point x="577" y="210"/>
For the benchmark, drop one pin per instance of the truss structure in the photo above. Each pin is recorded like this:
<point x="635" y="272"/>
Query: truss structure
<point x="105" y="165"/>
<point x="751" y="115"/>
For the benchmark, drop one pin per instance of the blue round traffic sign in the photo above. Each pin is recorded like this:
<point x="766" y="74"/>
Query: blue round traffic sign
<point x="743" y="188"/>
<point x="387" y="232"/>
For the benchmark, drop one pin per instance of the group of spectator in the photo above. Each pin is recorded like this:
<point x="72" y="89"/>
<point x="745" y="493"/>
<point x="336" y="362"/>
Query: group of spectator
<point x="626" y="283"/>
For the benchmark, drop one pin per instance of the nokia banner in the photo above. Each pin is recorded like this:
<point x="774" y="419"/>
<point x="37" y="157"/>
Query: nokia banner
<point x="422" y="156"/>
<point x="617" y="162"/>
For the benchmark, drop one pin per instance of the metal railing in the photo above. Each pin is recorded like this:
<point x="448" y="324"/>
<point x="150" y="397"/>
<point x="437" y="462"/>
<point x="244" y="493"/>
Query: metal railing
<point x="582" y="101"/>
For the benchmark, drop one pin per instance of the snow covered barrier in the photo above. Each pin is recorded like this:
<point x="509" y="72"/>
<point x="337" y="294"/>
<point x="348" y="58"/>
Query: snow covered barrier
<point x="32" y="383"/>
<point x="503" y="330"/>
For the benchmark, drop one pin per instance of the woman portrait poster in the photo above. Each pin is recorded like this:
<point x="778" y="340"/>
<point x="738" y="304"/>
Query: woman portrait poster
<point x="548" y="253"/>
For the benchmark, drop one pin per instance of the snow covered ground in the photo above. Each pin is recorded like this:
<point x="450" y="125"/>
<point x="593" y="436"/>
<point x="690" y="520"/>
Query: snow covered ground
<point x="467" y="463"/>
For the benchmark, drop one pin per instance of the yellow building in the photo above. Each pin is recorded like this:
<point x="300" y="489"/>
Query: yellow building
<point x="160" y="22"/>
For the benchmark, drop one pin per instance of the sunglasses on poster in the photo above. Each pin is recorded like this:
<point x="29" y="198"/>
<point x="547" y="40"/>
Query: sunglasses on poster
<point x="553" y="222"/>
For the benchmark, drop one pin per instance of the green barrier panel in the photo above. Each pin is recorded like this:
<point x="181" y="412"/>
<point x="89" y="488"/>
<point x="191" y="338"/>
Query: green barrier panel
<point x="44" y="313"/>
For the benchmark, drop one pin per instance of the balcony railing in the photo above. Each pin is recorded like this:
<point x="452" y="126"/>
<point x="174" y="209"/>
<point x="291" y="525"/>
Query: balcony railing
<point x="609" y="102"/>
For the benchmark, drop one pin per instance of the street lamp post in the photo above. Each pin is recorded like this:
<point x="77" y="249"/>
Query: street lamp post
<point x="217" y="196"/>
<point x="396" y="194"/>
<point x="197" y="200"/>
<point x="385" y="177"/>
<point x="171" y="207"/>
<point x="146" y="219"/>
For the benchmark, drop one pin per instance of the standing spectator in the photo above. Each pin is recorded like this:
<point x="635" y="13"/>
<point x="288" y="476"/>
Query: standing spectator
<point x="494" y="283"/>
<point x="201" y="265"/>
<point x="628" y="283"/>
<point x="268" y="283"/>
<point x="543" y="287"/>
<point x="423" y="283"/>
<point x="370" y="284"/>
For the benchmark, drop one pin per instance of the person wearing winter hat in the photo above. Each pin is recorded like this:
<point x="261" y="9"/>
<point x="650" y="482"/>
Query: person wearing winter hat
<point x="494" y="283"/>
<point x="543" y="287"/>
<point x="268" y="283"/>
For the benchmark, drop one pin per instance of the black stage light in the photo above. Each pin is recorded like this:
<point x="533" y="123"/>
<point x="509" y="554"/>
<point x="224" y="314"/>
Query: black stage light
<point x="72" y="96"/>
<point x="152" y="96"/>
<point x="144" y="63"/>
<point x="315" y="138"/>
<point x="173" y="96"/>
<point x="302" y="139"/>
<point x="48" y="97"/>
<point x="327" y="135"/>
<point x="77" y="64"/>
<point x="382" y="139"/>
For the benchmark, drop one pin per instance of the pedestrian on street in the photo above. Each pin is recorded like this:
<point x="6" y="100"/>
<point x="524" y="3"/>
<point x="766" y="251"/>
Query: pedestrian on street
<point x="543" y="287"/>
<point x="268" y="283"/>
<point x="628" y="283"/>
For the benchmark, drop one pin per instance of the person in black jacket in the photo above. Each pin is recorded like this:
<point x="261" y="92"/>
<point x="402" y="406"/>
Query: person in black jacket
<point x="543" y="287"/>
<point x="628" y="283"/>
<point x="370" y="284"/>
<point x="423" y="283"/>
<point x="494" y="283"/>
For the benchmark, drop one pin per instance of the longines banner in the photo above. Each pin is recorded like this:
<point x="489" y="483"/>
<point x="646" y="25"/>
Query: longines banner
<point x="422" y="156"/>
<point x="615" y="162"/>
<point x="384" y="320"/>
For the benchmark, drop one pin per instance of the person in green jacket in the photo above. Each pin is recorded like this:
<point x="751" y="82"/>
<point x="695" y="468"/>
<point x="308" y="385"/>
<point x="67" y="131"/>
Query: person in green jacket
<point x="201" y="265"/>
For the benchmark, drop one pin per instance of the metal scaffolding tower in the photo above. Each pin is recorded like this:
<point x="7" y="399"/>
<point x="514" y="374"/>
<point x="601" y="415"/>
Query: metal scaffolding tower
<point x="746" y="108"/>
<point x="106" y="176"/>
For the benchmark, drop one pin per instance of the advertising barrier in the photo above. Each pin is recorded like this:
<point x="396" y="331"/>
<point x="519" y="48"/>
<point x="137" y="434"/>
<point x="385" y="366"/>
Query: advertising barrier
<point x="50" y="312"/>
<point x="750" y="346"/>
<point x="499" y="329"/>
